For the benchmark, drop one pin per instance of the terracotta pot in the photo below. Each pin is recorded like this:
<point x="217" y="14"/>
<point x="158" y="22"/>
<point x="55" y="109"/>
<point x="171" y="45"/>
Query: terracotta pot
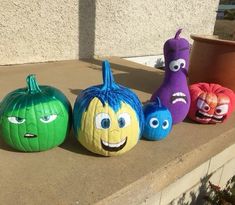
<point x="213" y="61"/>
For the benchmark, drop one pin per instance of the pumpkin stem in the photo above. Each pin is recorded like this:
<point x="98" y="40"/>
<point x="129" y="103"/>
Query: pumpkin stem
<point x="33" y="86"/>
<point x="158" y="101"/>
<point x="177" y="35"/>
<point x="108" y="81"/>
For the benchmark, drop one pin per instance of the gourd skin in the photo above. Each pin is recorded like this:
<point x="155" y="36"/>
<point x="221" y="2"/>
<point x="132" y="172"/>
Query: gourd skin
<point x="36" y="118"/>
<point x="158" y="121"/>
<point x="210" y="103"/>
<point x="108" y="118"/>
<point x="174" y="92"/>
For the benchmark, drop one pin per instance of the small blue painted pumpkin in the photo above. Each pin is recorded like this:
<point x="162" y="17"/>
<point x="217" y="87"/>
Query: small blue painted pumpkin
<point x="158" y="121"/>
<point x="108" y="118"/>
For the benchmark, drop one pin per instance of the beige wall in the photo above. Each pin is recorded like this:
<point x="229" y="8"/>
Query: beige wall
<point x="137" y="27"/>
<point x="38" y="31"/>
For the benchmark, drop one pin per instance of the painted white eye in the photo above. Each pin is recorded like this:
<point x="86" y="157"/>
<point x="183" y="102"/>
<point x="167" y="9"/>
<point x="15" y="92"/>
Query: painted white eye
<point x="124" y="120"/>
<point x="102" y="121"/>
<point x="16" y="120"/>
<point x="153" y="122"/>
<point x="174" y="66"/>
<point x="221" y="109"/>
<point x="202" y="105"/>
<point x="48" y="118"/>
<point x="165" y="124"/>
<point x="181" y="63"/>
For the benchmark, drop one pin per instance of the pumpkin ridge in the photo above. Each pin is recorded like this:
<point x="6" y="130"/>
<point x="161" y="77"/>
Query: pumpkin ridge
<point x="18" y="137"/>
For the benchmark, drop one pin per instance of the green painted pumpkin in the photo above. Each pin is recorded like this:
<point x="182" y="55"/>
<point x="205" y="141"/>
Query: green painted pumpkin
<point x="34" y="118"/>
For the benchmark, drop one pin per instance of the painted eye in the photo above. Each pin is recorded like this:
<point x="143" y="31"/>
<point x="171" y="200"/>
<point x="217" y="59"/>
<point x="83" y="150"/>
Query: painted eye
<point x="48" y="118"/>
<point x="221" y="109"/>
<point x="102" y="121"/>
<point x="16" y="120"/>
<point x="124" y="120"/>
<point x="174" y="66"/>
<point x="202" y="105"/>
<point x="165" y="124"/>
<point x="153" y="122"/>
<point x="181" y="62"/>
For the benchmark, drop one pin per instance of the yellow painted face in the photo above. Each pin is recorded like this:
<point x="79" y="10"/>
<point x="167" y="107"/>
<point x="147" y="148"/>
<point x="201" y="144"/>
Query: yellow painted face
<point x="106" y="132"/>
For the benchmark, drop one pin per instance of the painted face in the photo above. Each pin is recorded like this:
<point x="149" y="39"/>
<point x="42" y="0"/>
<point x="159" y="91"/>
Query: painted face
<point x="212" y="108"/>
<point x="158" y="123"/>
<point x="110" y="133"/>
<point x="210" y="103"/>
<point x="36" y="127"/>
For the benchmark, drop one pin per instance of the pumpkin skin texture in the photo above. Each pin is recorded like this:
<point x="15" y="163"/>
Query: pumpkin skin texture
<point x="158" y="121"/>
<point x="108" y="118"/>
<point x="211" y="103"/>
<point x="174" y="92"/>
<point x="35" y="118"/>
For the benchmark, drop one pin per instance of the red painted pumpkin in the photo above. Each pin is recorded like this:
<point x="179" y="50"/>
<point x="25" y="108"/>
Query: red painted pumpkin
<point x="210" y="103"/>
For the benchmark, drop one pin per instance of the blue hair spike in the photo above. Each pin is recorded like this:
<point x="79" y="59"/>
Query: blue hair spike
<point x="109" y="92"/>
<point x="108" y="81"/>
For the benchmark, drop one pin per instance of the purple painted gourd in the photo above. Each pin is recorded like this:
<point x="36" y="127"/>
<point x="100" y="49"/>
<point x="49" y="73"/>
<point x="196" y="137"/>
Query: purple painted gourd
<point x="174" y="91"/>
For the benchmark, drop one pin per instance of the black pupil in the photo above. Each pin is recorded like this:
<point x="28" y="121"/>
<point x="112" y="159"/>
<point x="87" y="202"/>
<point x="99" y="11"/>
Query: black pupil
<point x="206" y="107"/>
<point x="176" y="67"/>
<point x="182" y="64"/>
<point x="218" y="110"/>
<point x="121" y="122"/>
<point x="105" y="123"/>
<point x="19" y="119"/>
<point x="155" y="122"/>
<point x="165" y="123"/>
<point x="46" y="118"/>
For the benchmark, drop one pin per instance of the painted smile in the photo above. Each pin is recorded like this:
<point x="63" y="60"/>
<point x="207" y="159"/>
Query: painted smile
<point x="113" y="147"/>
<point x="207" y="117"/>
<point x="178" y="97"/>
<point x="29" y="135"/>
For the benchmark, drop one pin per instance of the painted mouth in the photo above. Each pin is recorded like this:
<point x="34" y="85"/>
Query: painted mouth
<point x="29" y="135"/>
<point x="207" y="117"/>
<point x="178" y="97"/>
<point x="113" y="147"/>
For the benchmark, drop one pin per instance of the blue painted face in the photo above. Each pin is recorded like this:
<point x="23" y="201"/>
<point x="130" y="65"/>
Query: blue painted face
<point x="158" y="121"/>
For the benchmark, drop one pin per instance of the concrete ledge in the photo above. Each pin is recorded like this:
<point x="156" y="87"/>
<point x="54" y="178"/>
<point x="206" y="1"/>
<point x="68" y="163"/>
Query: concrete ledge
<point x="70" y="174"/>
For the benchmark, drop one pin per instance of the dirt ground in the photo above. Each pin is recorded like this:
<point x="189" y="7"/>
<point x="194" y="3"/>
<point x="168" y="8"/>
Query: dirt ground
<point x="225" y="29"/>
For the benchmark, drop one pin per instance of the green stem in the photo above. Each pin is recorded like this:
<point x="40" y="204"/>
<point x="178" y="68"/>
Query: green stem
<point x="33" y="86"/>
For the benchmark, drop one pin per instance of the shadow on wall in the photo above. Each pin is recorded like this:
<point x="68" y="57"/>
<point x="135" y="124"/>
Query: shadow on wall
<point x="195" y="197"/>
<point x="138" y="79"/>
<point x="86" y="28"/>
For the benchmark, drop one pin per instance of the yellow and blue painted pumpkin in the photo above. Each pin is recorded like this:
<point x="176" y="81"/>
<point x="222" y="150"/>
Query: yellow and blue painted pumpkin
<point x="158" y="121"/>
<point x="108" y="118"/>
<point x="35" y="118"/>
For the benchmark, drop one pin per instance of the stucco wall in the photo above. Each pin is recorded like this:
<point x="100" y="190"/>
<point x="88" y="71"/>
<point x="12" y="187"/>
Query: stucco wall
<point x="38" y="31"/>
<point x="133" y="28"/>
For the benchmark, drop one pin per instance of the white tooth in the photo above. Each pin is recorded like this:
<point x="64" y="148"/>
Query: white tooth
<point x="213" y="120"/>
<point x="218" y="116"/>
<point x="203" y="119"/>
<point x="179" y="100"/>
<point x="178" y="94"/>
<point x="205" y="114"/>
<point x="114" y="144"/>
